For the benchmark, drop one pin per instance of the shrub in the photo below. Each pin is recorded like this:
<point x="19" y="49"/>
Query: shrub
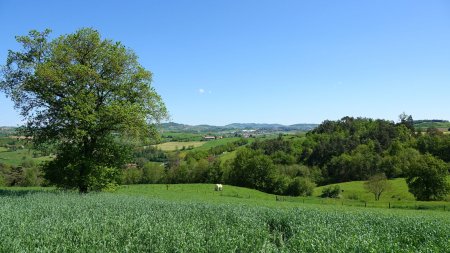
<point x="331" y="192"/>
<point x="28" y="163"/>
<point x="31" y="177"/>
<point x="153" y="173"/>
<point x="2" y="180"/>
<point x="281" y="185"/>
<point x="131" y="176"/>
<point x="300" y="186"/>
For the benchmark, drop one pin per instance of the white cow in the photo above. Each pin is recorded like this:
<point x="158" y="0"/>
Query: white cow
<point x="218" y="187"/>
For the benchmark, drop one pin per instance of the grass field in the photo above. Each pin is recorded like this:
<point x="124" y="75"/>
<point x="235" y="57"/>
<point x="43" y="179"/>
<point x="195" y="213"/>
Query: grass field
<point x="218" y="142"/>
<point x="355" y="190"/>
<point x="17" y="157"/>
<point x="198" y="145"/>
<point x="176" y="145"/>
<point x="194" y="218"/>
<point x="397" y="196"/>
<point x="425" y="125"/>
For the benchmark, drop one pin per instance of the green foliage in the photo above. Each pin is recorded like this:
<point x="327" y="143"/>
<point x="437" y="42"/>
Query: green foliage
<point x="427" y="178"/>
<point x="132" y="176"/>
<point x="32" y="177"/>
<point x="20" y="176"/>
<point x="82" y="94"/>
<point x="2" y="179"/>
<point x="153" y="173"/>
<point x="435" y="143"/>
<point x="28" y="163"/>
<point x="149" y="153"/>
<point x="377" y="184"/>
<point x="331" y="192"/>
<point x="253" y="169"/>
<point x="300" y="186"/>
<point x="72" y="168"/>
<point x="104" y="178"/>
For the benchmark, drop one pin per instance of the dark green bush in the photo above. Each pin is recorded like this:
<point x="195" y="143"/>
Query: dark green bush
<point x="300" y="186"/>
<point x="331" y="192"/>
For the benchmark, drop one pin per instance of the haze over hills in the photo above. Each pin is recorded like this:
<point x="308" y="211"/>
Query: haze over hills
<point x="178" y="127"/>
<point x="172" y="126"/>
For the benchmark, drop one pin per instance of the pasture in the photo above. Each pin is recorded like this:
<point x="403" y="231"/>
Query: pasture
<point x="198" y="145"/>
<point x="178" y="145"/>
<point x="17" y="157"/>
<point x="149" y="219"/>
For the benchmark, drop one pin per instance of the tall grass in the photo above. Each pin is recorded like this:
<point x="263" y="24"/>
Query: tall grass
<point x="105" y="222"/>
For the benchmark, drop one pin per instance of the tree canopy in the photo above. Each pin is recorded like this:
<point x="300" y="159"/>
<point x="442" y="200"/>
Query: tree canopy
<point x="83" y="95"/>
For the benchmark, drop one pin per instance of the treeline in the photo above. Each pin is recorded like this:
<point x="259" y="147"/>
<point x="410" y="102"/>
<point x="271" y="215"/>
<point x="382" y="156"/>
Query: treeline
<point x="193" y="166"/>
<point x="336" y="151"/>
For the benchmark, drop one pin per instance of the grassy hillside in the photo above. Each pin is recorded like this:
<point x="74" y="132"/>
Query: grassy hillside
<point x="17" y="157"/>
<point x="198" y="145"/>
<point x="429" y="124"/>
<point x="218" y="142"/>
<point x="194" y="218"/>
<point x="353" y="195"/>
<point x="355" y="191"/>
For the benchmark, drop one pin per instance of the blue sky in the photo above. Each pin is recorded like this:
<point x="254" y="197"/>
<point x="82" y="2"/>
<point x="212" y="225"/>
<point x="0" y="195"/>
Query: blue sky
<point x="221" y="61"/>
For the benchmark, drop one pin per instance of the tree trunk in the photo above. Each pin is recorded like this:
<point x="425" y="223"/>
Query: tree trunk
<point x="82" y="185"/>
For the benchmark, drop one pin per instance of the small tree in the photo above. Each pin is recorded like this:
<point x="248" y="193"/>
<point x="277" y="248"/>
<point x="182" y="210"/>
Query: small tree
<point x="377" y="184"/>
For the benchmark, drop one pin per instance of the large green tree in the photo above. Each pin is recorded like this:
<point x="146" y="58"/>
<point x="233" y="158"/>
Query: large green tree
<point x="427" y="178"/>
<point x="81" y="94"/>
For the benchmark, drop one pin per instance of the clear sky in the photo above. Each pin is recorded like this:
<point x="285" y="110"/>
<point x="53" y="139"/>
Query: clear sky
<point x="221" y="61"/>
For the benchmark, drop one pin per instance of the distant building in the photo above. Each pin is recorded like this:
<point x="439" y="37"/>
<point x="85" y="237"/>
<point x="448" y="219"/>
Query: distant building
<point x="210" y="138"/>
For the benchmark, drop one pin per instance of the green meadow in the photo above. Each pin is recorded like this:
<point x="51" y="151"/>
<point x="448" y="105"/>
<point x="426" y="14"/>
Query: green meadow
<point x="195" y="218"/>
<point x="17" y="157"/>
<point x="178" y="145"/>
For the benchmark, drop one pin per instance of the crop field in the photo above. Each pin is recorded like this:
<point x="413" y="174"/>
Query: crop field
<point x="107" y="222"/>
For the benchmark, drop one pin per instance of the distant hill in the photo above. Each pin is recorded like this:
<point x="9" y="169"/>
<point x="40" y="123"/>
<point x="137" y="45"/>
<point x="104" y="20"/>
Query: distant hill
<point x="7" y="131"/>
<point x="176" y="127"/>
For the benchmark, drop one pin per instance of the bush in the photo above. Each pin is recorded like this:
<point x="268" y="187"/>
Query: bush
<point x="153" y="173"/>
<point x="300" y="186"/>
<point x="131" y="176"/>
<point x="331" y="192"/>
<point x="28" y="163"/>
<point x="281" y="185"/>
<point x="31" y="177"/>
<point x="2" y="180"/>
